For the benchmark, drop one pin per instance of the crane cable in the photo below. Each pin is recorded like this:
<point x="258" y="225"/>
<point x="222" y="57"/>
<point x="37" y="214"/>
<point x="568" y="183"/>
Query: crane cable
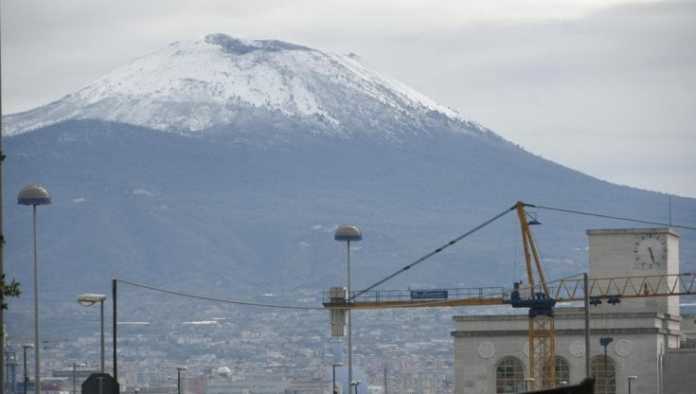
<point x="605" y="216"/>
<point x="498" y="216"/>
<point x="253" y="304"/>
<point x="405" y="268"/>
<point x="431" y="254"/>
<point x="214" y="299"/>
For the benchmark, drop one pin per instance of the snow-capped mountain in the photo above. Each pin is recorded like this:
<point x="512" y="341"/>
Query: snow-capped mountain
<point x="287" y="143"/>
<point x="198" y="85"/>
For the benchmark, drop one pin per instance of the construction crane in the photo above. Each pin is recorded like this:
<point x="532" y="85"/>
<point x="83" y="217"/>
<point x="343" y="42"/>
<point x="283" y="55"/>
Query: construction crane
<point x="537" y="295"/>
<point x="542" y="329"/>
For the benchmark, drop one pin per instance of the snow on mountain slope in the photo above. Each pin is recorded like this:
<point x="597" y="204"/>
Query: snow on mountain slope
<point x="193" y="86"/>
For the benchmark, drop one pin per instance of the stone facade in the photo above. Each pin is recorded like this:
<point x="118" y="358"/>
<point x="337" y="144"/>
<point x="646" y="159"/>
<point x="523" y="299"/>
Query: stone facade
<point x="680" y="372"/>
<point x="636" y="252"/>
<point x="639" y="339"/>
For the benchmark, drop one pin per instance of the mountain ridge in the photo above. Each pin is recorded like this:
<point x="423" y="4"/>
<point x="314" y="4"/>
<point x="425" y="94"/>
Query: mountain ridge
<point x="203" y="204"/>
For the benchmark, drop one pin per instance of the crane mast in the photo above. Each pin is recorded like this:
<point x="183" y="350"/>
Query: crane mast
<point x="542" y="329"/>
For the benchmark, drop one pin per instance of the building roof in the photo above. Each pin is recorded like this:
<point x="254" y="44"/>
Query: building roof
<point x="644" y="230"/>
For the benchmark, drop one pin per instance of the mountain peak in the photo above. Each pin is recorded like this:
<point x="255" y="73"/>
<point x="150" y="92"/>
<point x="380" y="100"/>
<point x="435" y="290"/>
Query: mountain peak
<point x="214" y="82"/>
<point x="237" y="46"/>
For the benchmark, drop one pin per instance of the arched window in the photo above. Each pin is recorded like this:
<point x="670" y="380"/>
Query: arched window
<point x="509" y="376"/>
<point x="604" y="372"/>
<point x="562" y="371"/>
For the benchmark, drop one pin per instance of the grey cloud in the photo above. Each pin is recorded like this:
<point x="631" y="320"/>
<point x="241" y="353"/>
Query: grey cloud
<point x="611" y="94"/>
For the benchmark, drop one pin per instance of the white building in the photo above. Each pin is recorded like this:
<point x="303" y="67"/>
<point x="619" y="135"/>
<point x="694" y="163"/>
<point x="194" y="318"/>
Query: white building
<point x="491" y="352"/>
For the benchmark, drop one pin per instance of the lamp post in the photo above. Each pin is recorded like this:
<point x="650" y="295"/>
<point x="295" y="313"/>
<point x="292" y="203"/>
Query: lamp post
<point x="178" y="378"/>
<point x="630" y="379"/>
<point x="586" y="291"/>
<point x="26" y="377"/>
<point x="355" y="384"/>
<point x="89" y="299"/>
<point x="333" y="376"/>
<point x="348" y="233"/>
<point x="35" y="195"/>
<point x="528" y="383"/>
<point x="11" y="375"/>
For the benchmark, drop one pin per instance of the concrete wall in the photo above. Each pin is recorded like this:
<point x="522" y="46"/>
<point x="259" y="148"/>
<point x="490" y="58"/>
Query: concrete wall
<point x="680" y="372"/>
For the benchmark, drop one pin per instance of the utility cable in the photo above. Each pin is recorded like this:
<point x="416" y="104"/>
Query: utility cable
<point x="221" y="300"/>
<point x="604" y="216"/>
<point x="431" y="254"/>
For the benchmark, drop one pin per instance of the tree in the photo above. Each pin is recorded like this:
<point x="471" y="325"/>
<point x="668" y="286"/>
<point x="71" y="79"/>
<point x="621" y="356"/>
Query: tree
<point x="8" y="290"/>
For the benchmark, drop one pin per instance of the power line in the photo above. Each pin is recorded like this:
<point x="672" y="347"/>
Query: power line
<point x="434" y="252"/>
<point x="214" y="299"/>
<point x="605" y="216"/>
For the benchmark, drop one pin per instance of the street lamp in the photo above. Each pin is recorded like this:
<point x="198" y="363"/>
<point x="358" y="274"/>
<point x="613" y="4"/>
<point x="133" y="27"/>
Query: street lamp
<point x="89" y="299"/>
<point x="35" y="195"/>
<point x="348" y="233"/>
<point x="178" y="378"/>
<point x="11" y="375"/>
<point x="356" y="384"/>
<point x="333" y="376"/>
<point x="528" y="383"/>
<point x="26" y="377"/>
<point x="630" y="379"/>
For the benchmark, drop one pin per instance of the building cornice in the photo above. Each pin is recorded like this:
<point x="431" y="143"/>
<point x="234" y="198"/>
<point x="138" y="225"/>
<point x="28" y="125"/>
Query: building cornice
<point x="570" y="314"/>
<point x="565" y="332"/>
<point x="617" y="231"/>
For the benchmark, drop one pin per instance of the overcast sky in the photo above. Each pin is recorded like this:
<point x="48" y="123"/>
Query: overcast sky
<point x="603" y="86"/>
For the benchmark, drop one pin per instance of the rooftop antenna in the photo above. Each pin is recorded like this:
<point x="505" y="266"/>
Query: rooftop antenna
<point x="669" y="209"/>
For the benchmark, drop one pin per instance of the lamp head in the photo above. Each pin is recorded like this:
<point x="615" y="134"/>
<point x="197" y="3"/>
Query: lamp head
<point x="89" y="299"/>
<point x="33" y="195"/>
<point x="347" y="232"/>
